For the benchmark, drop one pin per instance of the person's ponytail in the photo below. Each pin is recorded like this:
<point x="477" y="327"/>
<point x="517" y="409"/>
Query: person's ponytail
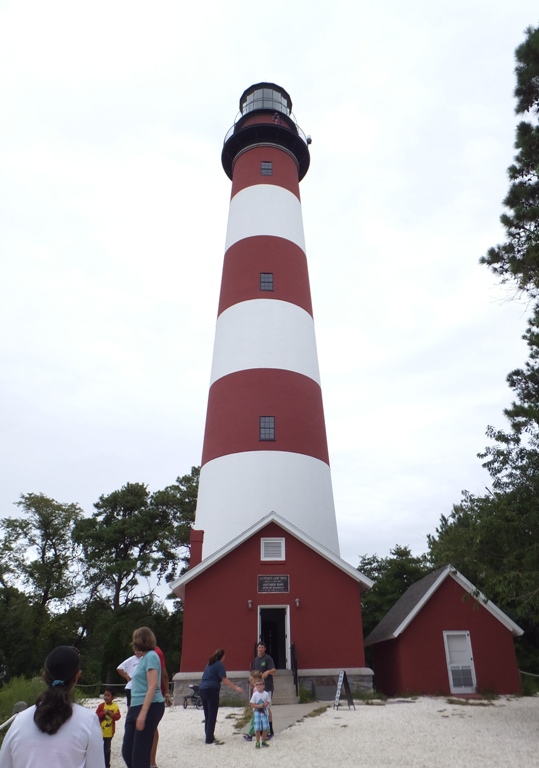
<point x="54" y="706"/>
<point x="217" y="656"/>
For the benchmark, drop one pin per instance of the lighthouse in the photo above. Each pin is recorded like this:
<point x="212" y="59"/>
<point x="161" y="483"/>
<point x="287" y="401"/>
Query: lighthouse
<point x="265" y="446"/>
<point x="264" y="547"/>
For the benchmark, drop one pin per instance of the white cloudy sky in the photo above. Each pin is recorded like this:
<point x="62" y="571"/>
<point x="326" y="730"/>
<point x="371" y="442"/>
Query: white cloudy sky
<point x="113" y="210"/>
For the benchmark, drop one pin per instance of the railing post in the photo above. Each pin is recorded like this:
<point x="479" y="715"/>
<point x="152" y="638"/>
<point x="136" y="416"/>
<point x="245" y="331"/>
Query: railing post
<point x="294" y="662"/>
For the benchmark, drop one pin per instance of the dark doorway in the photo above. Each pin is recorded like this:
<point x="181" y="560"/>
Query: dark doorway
<point x="273" y="633"/>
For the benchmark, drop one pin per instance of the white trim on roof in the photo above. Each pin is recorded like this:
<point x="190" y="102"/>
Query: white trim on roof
<point x="469" y="587"/>
<point x="178" y="586"/>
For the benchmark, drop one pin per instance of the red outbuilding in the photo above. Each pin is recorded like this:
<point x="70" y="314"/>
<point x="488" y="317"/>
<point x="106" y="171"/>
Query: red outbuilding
<point x="444" y="637"/>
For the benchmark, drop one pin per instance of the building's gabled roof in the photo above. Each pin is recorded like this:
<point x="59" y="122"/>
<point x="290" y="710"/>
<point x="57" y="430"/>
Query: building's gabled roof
<point x="178" y="586"/>
<point x="418" y="594"/>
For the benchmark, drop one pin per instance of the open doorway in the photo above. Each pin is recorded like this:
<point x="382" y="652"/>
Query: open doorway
<point x="274" y="632"/>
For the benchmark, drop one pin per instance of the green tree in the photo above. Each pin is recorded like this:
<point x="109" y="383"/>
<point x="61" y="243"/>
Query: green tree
<point x="20" y="641"/>
<point x="133" y="536"/>
<point x="89" y="581"/>
<point x="38" y="552"/>
<point x="494" y="540"/>
<point x="518" y="258"/>
<point x="40" y="578"/>
<point x="392" y="576"/>
<point x="179" y="500"/>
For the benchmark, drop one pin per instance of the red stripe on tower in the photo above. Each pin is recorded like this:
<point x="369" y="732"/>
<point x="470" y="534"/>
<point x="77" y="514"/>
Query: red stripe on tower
<point x="265" y="446"/>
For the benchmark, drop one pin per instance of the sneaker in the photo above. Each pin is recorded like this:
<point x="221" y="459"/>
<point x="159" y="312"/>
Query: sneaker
<point x="247" y="737"/>
<point x="265" y="744"/>
<point x="257" y="745"/>
<point x="218" y="742"/>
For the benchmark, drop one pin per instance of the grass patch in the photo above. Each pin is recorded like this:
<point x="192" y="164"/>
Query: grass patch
<point x="368" y="696"/>
<point x="530" y="685"/>
<point x="245" y="719"/>
<point x="306" y="696"/>
<point x="414" y="695"/>
<point x="318" y="711"/>
<point x="230" y="701"/>
<point x="18" y="689"/>
<point x="488" y="695"/>
<point x="469" y="702"/>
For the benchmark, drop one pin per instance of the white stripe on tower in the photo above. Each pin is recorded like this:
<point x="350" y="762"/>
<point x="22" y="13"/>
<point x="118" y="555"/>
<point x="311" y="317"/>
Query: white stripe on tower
<point x="265" y="362"/>
<point x="287" y="331"/>
<point x="265" y="209"/>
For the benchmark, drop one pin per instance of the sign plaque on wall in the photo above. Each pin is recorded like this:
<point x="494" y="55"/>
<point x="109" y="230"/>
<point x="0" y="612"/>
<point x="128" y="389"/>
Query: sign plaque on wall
<point x="275" y="583"/>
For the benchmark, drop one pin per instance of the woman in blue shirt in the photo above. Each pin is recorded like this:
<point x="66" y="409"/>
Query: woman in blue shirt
<point x="147" y="702"/>
<point x="210" y="685"/>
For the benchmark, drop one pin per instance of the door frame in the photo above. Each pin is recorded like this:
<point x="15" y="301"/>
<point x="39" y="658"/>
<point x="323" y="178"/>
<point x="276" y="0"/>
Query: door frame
<point x="460" y="689"/>
<point x="286" y="627"/>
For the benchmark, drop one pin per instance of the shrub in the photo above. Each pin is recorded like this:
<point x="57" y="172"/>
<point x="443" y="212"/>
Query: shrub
<point x="530" y="685"/>
<point x="18" y="689"/>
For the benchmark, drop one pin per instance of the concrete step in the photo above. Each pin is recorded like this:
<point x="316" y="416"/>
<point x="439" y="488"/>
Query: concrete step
<point x="284" y="690"/>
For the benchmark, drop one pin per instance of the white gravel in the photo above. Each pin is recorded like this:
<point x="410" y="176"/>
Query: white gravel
<point x="420" y="733"/>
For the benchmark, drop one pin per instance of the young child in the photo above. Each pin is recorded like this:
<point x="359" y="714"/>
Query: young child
<point x="254" y="677"/>
<point x="260" y="701"/>
<point x="108" y="712"/>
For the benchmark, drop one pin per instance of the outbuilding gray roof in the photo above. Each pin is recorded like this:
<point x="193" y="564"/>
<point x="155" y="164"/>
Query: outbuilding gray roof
<point x="408" y="606"/>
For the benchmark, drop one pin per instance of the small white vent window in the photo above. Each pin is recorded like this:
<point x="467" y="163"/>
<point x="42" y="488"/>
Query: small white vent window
<point x="272" y="549"/>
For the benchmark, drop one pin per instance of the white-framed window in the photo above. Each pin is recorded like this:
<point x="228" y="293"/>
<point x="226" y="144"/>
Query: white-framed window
<point x="272" y="549"/>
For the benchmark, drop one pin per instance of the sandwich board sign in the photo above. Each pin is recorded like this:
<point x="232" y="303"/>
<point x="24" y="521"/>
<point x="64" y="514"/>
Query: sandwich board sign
<point x="343" y="683"/>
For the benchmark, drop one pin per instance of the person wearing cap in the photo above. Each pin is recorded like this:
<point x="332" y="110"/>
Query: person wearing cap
<point x="147" y="702"/>
<point x="55" y="731"/>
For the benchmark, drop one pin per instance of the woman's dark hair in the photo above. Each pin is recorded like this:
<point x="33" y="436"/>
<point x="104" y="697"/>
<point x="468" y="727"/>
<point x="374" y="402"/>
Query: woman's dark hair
<point x="55" y="705"/>
<point x="217" y="656"/>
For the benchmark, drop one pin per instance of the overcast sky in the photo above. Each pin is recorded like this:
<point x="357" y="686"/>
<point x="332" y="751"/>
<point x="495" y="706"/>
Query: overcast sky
<point x="113" y="211"/>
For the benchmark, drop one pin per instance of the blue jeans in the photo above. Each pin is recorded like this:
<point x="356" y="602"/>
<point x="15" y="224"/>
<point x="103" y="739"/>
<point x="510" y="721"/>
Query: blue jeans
<point x="210" y="703"/>
<point x="137" y="745"/>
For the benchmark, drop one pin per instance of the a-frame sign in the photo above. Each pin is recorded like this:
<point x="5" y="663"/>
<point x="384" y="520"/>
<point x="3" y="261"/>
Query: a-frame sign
<point x="343" y="683"/>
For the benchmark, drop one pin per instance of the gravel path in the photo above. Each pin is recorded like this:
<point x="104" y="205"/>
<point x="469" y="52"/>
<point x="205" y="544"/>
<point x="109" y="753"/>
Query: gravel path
<point x="421" y="733"/>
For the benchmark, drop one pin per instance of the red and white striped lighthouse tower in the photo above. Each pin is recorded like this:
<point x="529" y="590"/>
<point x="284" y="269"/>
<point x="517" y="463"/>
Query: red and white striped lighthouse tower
<point x="264" y="549"/>
<point x="265" y="446"/>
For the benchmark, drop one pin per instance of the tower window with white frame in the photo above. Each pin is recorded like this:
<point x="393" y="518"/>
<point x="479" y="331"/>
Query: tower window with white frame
<point x="266" y="168"/>
<point x="272" y="549"/>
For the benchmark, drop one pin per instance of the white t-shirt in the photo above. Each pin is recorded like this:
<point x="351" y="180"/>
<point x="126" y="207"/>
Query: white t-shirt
<point x="77" y="744"/>
<point x="256" y="698"/>
<point x="129" y="666"/>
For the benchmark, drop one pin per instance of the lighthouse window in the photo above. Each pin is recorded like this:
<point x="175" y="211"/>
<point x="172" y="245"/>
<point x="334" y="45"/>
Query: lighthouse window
<point x="266" y="281"/>
<point x="267" y="428"/>
<point x="266" y="168"/>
